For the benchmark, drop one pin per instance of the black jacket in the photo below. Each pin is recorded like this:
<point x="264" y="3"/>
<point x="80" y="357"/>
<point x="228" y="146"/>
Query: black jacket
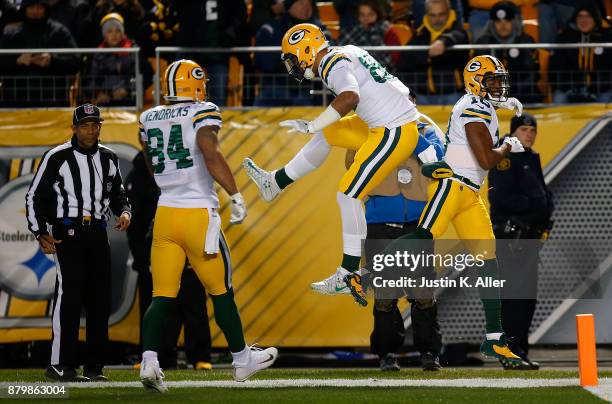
<point x="437" y="75"/>
<point x="586" y="68"/>
<point x="75" y="15"/>
<point x="44" y="34"/>
<point x="517" y="189"/>
<point x="224" y="27"/>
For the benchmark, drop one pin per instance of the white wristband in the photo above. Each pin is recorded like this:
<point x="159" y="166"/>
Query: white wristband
<point x="327" y="117"/>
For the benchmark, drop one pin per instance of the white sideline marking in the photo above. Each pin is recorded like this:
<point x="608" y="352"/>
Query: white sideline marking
<point x="603" y="391"/>
<point x="606" y="384"/>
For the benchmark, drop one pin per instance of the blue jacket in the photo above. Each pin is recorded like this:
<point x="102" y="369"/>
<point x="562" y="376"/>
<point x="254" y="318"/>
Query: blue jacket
<point x="398" y="208"/>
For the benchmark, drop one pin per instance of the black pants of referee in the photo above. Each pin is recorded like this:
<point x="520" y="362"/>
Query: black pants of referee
<point x="83" y="263"/>
<point x="389" y="332"/>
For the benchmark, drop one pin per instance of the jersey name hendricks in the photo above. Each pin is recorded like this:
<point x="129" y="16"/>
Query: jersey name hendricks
<point x="169" y="132"/>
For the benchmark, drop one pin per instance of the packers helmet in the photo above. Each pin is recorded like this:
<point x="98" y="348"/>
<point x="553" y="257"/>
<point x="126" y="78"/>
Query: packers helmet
<point x="184" y="80"/>
<point x="299" y="49"/>
<point x="485" y="76"/>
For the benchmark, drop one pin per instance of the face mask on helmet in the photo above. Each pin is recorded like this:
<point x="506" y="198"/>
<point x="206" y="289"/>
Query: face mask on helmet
<point x="496" y="86"/>
<point x="298" y="71"/>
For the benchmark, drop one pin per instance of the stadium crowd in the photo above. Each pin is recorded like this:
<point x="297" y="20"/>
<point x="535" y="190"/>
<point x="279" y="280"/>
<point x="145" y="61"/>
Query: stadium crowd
<point x="538" y="75"/>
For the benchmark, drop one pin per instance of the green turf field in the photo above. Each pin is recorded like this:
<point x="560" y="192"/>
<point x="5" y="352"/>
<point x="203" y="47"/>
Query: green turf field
<point x="362" y="392"/>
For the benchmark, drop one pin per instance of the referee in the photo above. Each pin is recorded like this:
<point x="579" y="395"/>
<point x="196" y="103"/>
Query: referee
<point x="67" y="208"/>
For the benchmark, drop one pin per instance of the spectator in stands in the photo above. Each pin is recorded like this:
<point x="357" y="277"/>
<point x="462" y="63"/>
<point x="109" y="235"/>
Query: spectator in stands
<point x="37" y="31"/>
<point x="348" y="12"/>
<point x="418" y="11"/>
<point x="213" y="24"/>
<point x="436" y="74"/>
<point x="263" y="11"/>
<point x="478" y="15"/>
<point x="130" y="10"/>
<point x="161" y="27"/>
<point x="277" y="88"/>
<point x="8" y="14"/>
<point x="372" y="30"/>
<point x="553" y="15"/>
<point x="112" y="73"/>
<point x="506" y="27"/>
<point x="75" y="15"/>
<point x="585" y="74"/>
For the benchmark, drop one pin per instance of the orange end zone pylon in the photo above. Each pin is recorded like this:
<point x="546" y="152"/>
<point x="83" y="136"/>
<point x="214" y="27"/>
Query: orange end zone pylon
<point x="587" y="354"/>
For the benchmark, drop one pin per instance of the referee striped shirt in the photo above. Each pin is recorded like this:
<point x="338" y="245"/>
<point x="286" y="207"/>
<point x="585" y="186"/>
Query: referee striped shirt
<point x="72" y="182"/>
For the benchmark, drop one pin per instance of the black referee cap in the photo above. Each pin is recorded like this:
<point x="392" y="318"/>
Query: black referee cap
<point x="86" y="112"/>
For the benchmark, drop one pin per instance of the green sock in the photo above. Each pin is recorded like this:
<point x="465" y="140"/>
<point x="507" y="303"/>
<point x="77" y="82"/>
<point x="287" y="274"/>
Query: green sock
<point x="350" y="262"/>
<point x="491" y="298"/>
<point x="282" y="179"/>
<point x="154" y="321"/>
<point x="228" y="320"/>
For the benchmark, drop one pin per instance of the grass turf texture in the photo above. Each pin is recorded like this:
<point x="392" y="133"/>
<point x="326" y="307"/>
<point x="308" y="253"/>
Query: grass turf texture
<point x="328" y="394"/>
<point x="37" y="375"/>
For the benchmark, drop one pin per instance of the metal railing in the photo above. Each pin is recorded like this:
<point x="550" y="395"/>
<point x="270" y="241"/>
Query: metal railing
<point x="323" y="92"/>
<point x="252" y="83"/>
<point x="17" y="81"/>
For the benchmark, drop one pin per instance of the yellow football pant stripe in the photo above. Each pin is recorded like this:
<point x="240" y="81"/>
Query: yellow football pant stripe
<point x="464" y="208"/>
<point x="379" y="151"/>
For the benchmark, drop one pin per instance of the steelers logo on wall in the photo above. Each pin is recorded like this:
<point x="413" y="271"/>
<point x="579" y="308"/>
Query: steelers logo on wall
<point x="25" y="271"/>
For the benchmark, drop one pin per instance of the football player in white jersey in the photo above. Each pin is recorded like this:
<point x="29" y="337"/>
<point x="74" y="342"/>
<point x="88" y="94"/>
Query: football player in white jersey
<point x="383" y="131"/>
<point x="471" y="151"/>
<point x="182" y="146"/>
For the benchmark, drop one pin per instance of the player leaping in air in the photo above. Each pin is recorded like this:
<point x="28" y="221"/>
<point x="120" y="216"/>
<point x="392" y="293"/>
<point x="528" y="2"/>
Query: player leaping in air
<point x="383" y="131"/>
<point x="182" y="145"/>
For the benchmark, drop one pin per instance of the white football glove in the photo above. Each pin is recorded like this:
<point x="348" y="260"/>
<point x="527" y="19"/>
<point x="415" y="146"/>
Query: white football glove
<point x="515" y="144"/>
<point x="298" y="125"/>
<point x="239" y="210"/>
<point x="512" y="104"/>
<point x="428" y="155"/>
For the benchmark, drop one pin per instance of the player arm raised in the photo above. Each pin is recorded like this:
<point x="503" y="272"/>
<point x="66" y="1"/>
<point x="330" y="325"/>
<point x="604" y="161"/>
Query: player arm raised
<point x="208" y="142"/>
<point x="482" y="145"/>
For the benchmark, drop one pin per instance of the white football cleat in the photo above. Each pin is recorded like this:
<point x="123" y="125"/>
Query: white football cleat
<point x="334" y="285"/>
<point x="151" y="376"/>
<point x="268" y="188"/>
<point x="259" y="359"/>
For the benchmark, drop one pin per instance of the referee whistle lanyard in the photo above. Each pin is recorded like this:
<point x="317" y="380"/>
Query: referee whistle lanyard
<point x="75" y="143"/>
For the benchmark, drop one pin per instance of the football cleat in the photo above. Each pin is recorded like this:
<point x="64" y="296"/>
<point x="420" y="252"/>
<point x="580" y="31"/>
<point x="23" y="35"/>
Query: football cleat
<point x="259" y="359"/>
<point x="353" y="282"/>
<point x="498" y="348"/>
<point x="429" y="361"/>
<point x="334" y="285"/>
<point x="268" y="188"/>
<point x="389" y="363"/>
<point x="151" y="376"/>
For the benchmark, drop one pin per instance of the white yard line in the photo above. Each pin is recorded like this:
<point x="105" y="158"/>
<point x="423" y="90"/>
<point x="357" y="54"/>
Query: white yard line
<point x="605" y="384"/>
<point x="603" y="391"/>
